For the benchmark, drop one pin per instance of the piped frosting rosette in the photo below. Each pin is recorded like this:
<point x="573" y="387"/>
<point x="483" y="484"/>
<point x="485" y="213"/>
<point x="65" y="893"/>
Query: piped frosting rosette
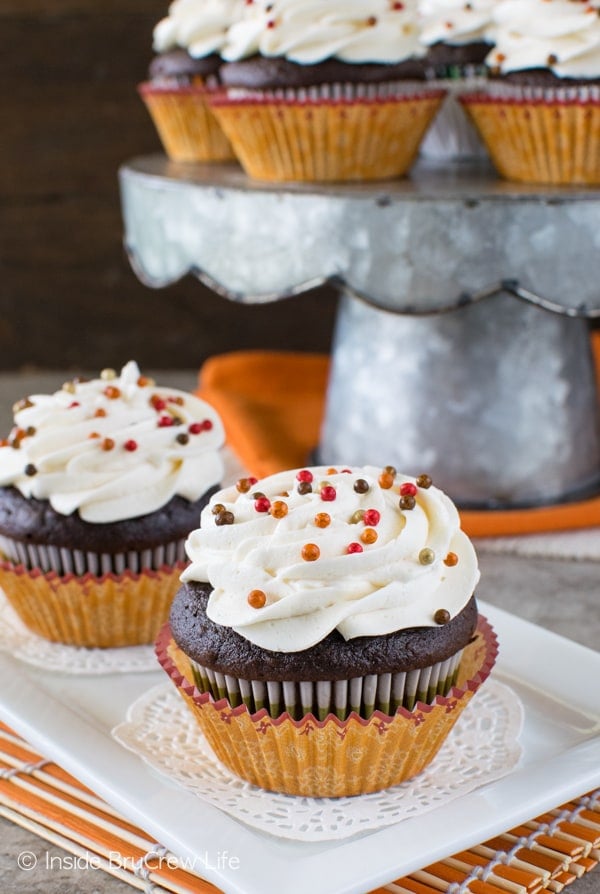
<point x="100" y="483"/>
<point x="329" y="600"/>
<point x="540" y="115"/>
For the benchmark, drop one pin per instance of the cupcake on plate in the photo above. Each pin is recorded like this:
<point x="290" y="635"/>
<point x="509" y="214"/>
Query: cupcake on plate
<point x="187" y="43"/>
<point x="325" y="91"/>
<point x="457" y="37"/>
<point x="326" y="635"/>
<point x="100" y="484"/>
<point x="540" y="113"/>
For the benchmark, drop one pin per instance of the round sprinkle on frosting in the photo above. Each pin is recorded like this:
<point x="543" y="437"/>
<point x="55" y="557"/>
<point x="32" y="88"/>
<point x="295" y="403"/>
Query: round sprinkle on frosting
<point x="310" y="552"/>
<point x="426" y="556"/>
<point x="442" y="616"/>
<point x="257" y="599"/>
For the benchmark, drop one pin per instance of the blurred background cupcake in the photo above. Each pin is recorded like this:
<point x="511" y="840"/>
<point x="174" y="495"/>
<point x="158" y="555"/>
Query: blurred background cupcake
<point x="540" y="114"/>
<point x="335" y="603"/>
<point x="100" y="483"/>
<point x="325" y="91"/>
<point x="457" y="37"/>
<point x="187" y="43"/>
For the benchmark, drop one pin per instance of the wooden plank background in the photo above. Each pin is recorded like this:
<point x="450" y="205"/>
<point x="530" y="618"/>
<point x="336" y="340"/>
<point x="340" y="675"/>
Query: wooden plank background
<point x="70" y="117"/>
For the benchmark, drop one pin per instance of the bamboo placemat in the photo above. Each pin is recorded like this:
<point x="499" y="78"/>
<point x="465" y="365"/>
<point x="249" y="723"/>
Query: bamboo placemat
<point x="545" y="854"/>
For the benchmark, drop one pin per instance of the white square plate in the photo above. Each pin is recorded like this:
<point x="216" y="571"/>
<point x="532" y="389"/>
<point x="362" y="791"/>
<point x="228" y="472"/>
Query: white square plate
<point x="69" y="719"/>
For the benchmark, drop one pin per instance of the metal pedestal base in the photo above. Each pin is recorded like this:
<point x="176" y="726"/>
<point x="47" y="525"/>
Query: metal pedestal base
<point x="496" y="400"/>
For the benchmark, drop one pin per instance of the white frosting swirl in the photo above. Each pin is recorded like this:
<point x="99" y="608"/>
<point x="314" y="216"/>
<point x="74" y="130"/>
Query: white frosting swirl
<point x="561" y="35"/>
<point x="455" y="22"/>
<point x="309" y="31"/>
<point x="381" y="589"/>
<point x="108" y="448"/>
<point x="198" y="26"/>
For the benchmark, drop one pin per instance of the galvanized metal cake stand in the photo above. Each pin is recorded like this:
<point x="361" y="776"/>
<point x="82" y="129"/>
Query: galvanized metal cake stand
<point x="462" y="343"/>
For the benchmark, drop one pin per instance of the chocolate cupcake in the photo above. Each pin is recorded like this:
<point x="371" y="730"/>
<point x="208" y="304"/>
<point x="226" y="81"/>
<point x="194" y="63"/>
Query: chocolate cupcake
<point x="330" y="600"/>
<point x="100" y="484"/>
<point x="314" y="91"/>
<point x="185" y="68"/>
<point x="539" y="114"/>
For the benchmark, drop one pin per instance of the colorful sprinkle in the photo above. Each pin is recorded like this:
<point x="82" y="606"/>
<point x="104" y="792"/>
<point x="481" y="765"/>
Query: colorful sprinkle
<point x="427" y="556"/>
<point x="451" y="560"/>
<point x="305" y="487"/>
<point x="408" y="489"/>
<point x="328" y="493"/>
<point x="112" y="392"/>
<point x="372" y="517"/>
<point x="108" y="374"/>
<point x="145" y="382"/>
<point x="322" y="520"/>
<point x="424" y="481"/>
<point x="407" y="502"/>
<point x="130" y="445"/>
<point x="257" y="599"/>
<point x="442" y="616"/>
<point x="354" y="548"/>
<point x="158" y="403"/>
<point x="165" y="421"/>
<point x="262" y="504"/>
<point x="243" y="485"/>
<point x="279" y="509"/>
<point x="386" y="480"/>
<point x="357" y="516"/>
<point x="108" y="444"/>
<point x="100" y="413"/>
<point x="310" y="552"/>
<point x="361" y="486"/>
<point x="305" y="475"/>
<point x="182" y="438"/>
<point x="369" y="535"/>
<point x="30" y="470"/>
<point x="218" y="508"/>
<point x="224" y="518"/>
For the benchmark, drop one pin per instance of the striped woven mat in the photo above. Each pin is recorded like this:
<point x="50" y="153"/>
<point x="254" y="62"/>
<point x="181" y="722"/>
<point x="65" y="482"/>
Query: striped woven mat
<point x="545" y="854"/>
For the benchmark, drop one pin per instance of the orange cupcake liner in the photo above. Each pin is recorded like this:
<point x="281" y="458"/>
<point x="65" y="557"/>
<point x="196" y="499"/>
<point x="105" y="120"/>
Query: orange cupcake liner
<point x="327" y="139"/>
<point x="109" y="611"/>
<point x="539" y="140"/>
<point x="332" y="757"/>
<point x="186" y="126"/>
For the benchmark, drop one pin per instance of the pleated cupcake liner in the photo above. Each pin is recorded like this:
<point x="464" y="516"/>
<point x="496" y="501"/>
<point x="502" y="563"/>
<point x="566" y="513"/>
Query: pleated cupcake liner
<point x="331" y="757"/>
<point x="64" y="561"/>
<point x="362" y="695"/>
<point x="540" y="135"/>
<point x="185" y="124"/>
<point x="86" y="610"/>
<point x="329" y="133"/>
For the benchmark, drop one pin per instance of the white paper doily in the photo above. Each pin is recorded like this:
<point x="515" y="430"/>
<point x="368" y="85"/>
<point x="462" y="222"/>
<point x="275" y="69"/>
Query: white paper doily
<point x="32" y="649"/>
<point x="482" y="747"/>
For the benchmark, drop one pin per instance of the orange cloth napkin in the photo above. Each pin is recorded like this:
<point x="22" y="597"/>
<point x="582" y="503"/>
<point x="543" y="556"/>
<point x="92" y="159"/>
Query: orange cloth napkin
<point x="272" y="404"/>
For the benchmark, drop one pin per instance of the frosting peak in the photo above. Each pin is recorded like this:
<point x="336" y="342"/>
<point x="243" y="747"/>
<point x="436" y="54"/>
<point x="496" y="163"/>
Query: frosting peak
<point x="455" y="22"/>
<point x="560" y="35"/>
<point x="113" y="448"/>
<point x="198" y="26"/>
<point x="299" y="554"/>
<point x="310" y="31"/>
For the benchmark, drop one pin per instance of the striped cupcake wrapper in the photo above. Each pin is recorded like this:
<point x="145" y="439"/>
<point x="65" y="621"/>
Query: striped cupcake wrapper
<point x="73" y="561"/>
<point x="360" y="695"/>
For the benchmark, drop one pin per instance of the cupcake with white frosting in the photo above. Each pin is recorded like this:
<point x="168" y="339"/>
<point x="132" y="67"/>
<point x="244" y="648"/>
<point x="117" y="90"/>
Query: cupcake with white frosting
<point x="100" y="484"/>
<point x="187" y="43"/>
<point x="540" y="113"/>
<point x="457" y="37"/>
<point x="325" y="91"/>
<point x="334" y="602"/>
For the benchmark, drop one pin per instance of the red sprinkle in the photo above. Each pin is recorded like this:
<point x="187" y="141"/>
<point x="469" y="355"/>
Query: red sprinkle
<point x="74" y="404"/>
<point x="130" y="445"/>
<point x="354" y="548"/>
<point x="305" y="475"/>
<point x="158" y="403"/>
<point x="408" y="490"/>
<point x="165" y="421"/>
<point x="262" y="504"/>
<point x="206" y="425"/>
<point x="371" y="518"/>
<point x="328" y="493"/>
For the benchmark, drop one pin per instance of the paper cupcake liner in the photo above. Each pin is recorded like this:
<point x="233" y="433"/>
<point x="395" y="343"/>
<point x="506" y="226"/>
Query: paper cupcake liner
<point x="185" y="124"/>
<point x="104" y="612"/>
<point x="538" y="134"/>
<point x="334" y="132"/>
<point x="452" y="136"/>
<point x="363" y="695"/>
<point x="330" y="757"/>
<point x="75" y="561"/>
